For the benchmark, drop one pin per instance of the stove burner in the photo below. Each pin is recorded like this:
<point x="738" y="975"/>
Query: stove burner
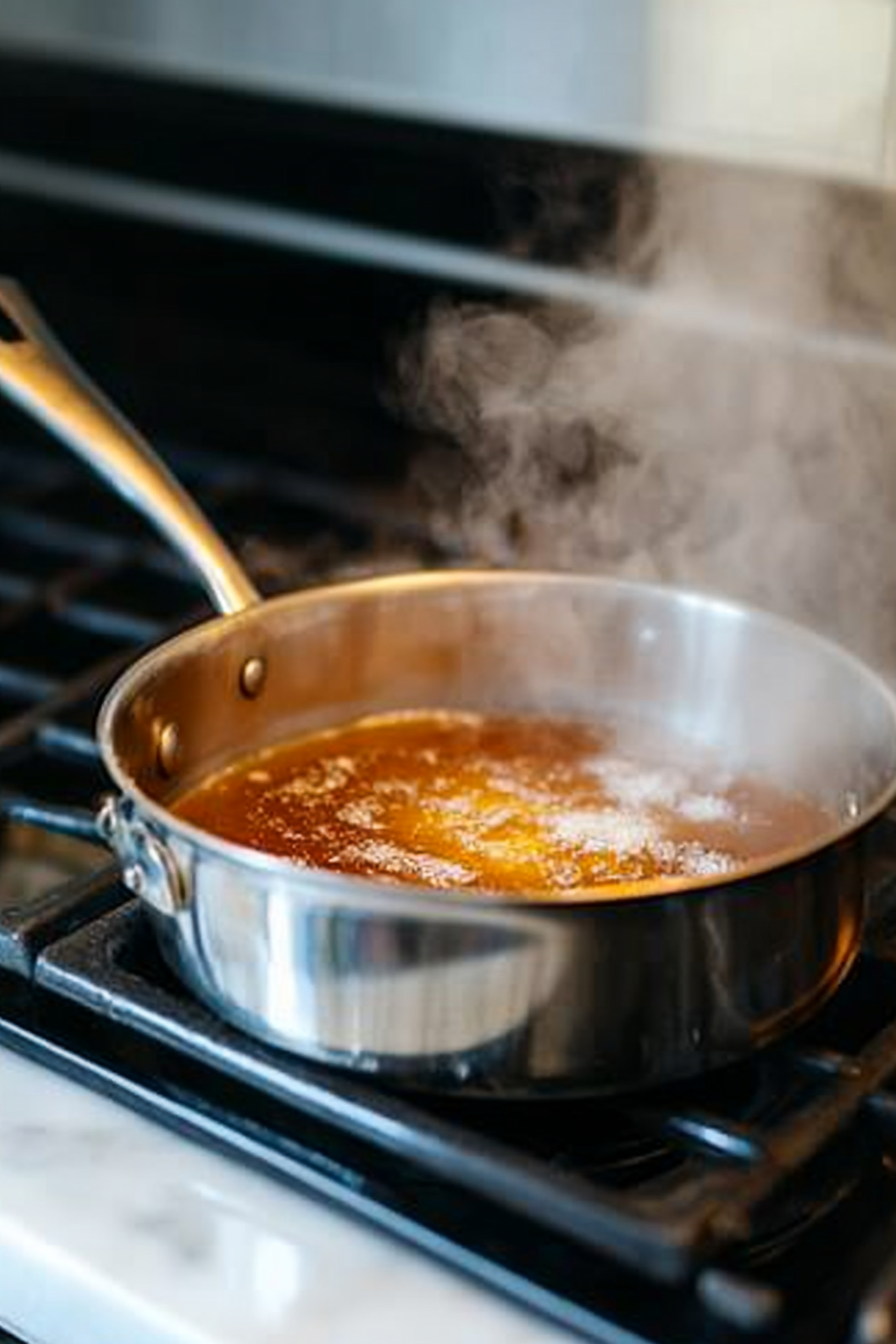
<point x="810" y="1206"/>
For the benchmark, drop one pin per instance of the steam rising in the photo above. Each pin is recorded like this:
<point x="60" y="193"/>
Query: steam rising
<point x="630" y="442"/>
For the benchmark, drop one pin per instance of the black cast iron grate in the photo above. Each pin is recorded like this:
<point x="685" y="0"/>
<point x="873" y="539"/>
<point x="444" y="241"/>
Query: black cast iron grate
<point x="757" y="1203"/>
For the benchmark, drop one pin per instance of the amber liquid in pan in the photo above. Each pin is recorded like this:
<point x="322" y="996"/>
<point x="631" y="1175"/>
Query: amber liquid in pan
<point x="529" y="806"/>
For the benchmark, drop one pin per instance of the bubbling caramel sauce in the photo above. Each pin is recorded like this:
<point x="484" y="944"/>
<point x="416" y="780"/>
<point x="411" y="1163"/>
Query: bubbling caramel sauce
<point x="524" y="806"/>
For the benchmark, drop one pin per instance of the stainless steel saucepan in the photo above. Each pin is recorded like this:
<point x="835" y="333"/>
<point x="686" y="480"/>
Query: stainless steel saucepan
<point x="453" y="990"/>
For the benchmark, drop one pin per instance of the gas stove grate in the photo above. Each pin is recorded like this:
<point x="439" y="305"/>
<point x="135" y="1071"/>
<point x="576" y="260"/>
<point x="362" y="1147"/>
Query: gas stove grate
<point x="663" y="1184"/>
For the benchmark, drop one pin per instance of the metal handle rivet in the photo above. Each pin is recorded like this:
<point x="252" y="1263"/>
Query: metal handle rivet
<point x="252" y="677"/>
<point x="168" y="749"/>
<point x="107" y="818"/>
<point x="134" y="879"/>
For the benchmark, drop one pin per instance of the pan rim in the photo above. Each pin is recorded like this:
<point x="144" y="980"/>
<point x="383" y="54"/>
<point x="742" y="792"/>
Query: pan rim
<point x="356" y="886"/>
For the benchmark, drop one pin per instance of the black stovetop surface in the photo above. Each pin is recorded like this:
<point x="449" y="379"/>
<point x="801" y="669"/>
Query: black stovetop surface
<point x="758" y="1203"/>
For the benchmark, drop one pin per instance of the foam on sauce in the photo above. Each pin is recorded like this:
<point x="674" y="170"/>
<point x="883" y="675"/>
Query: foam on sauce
<point x="530" y="806"/>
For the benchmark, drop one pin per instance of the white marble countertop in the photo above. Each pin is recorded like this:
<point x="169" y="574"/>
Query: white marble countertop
<point x="115" y="1231"/>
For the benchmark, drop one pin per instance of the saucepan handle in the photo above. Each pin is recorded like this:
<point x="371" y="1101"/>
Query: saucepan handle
<point x="37" y="373"/>
<point x="148" y="867"/>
